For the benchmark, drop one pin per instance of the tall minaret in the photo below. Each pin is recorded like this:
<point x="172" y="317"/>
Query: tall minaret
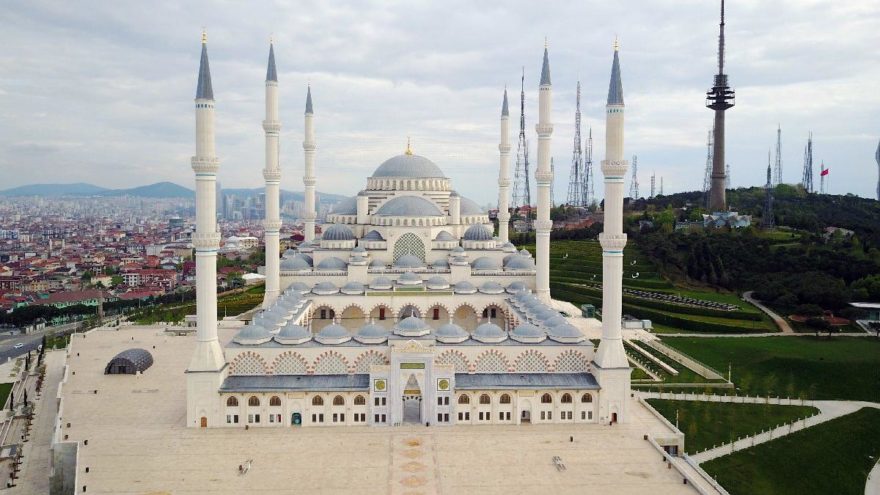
<point x="611" y="365"/>
<point x="272" y="174"/>
<point x="719" y="99"/>
<point x="309" y="177"/>
<point x="208" y="361"/>
<point x="544" y="177"/>
<point x="504" y="174"/>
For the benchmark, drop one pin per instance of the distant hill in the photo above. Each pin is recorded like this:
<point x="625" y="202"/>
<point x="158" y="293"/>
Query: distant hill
<point x="157" y="190"/>
<point x="52" y="190"/>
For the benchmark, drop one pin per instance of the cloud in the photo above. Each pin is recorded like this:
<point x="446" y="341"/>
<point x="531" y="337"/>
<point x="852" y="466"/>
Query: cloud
<point x="106" y="88"/>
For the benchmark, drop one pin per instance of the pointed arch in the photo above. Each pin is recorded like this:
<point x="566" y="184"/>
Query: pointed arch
<point x="248" y="363"/>
<point x="571" y="361"/>
<point x="331" y="363"/>
<point x="492" y="361"/>
<point x="409" y="243"/>
<point x="454" y="357"/>
<point x="289" y="363"/>
<point x="531" y="361"/>
<point x="365" y="360"/>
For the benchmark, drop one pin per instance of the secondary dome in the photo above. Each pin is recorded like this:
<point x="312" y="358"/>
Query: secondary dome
<point x="491" y="288"/>
<point x="295" y="264"/>
<point x="293" y="334"/>
<point x="516" y="287"/>
<point x="485" y="263"/>
<point x="517" y="262"/>
<point x="408" y="166"/>
<point x="325" y="288"/>
<point x="412" y="326"/>
<point x="489" y="333"/>
<point x="438" y="283"/>
<point x="331" y="263"/>
<point x="333" y="334"/>
<point x="347" y="206"/>
<point x="381" y="283"/>
<point x="353" y="288"/>
<point x="253" y="334"/>
<point x="408" y="206"/>
<point x="337" y="232"/>
<point x="477" y="233"/>
<point x="451" y="333"/>
<point x="409" y="261"/>
<point x="469" y="207"/>
<point x="527" y="334"/>
<point x="566" y="333"/>
<point x="371" y="333"/>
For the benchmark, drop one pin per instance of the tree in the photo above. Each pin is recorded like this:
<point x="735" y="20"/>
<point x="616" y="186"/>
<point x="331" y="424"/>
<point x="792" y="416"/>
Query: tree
<point x="116" y="280"/>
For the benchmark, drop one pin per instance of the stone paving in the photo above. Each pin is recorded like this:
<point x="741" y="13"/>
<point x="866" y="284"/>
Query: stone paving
<point x="137" y="443"/>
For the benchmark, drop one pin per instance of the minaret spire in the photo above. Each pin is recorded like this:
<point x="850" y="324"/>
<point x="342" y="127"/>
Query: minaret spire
<point x="271" y="72"/>
<point x="504" y="173"/>
<point x="272" y="176"/>
<point x="204" y="90"/>
<point x="544" y="178"/>
<point x="309" y="180"/>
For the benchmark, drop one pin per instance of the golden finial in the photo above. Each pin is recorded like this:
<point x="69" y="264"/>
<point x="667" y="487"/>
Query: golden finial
<point x="616" y="44"/>
<point x="408" y="147"/>
<point x="204" y="36"/>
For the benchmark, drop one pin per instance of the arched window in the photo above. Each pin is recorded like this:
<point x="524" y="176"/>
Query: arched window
<point x="359" y="400"/>
<point x="464" y="399"/>
<point x="566" y="398"/>
<point x="232" y="402"/>
<point x="275" y="401"/>
<point x="317" y="400"/>
<point x="338" y="401"/>
<point x="546" y="399"/>
<point x="253" y="401"/>
<point x="505" y="399"/>
<point x="484" y="399"/>
<point x="586" y="398"/>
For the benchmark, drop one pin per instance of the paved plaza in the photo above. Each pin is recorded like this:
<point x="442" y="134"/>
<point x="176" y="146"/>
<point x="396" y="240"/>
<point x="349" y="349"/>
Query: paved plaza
<point x="137" y="443"/>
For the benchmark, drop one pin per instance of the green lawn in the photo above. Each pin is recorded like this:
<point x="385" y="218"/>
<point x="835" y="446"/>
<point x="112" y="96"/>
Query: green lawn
<point x="839" y="368"/>
<point x="5" y="388"/>
<point x="833" y="458"/>
<point x="707" y="424"/>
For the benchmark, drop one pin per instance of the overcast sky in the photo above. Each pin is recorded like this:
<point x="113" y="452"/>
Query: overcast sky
<point x="102" y="92"/>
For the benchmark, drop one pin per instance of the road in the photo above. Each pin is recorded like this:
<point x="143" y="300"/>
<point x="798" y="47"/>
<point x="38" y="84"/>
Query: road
<point x="8" y="350"/>
<point x="783" y="325"/>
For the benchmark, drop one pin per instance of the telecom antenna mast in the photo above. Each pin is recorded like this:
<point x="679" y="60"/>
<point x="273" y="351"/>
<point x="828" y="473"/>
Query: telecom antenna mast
<point x="575" y="179"/>
<point x="807" y="180"/>
<point x="653" y="182"/>
<point x="634" y="183"/>
<point x="521" y="187"/>
<point x="778" y="167"/>
<point x="719" y="98"/>
<point x="587" y="190"/>
<point x="707" y="176"/>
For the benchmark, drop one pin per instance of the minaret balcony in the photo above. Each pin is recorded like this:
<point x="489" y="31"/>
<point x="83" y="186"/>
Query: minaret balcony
<point x="544" y="129"/>
<point x="309" y="181"/>
<point x="504" y="182"/>
<point x="272" y="126"/>
<point x="309" y="146"/>
<point x="209" y="240"/>
<point x="614" y="168"/>
<point x="271" y="175"/>
<point x="543" y="176"/>
<point x="612" y="242"/>
<point x="504" y="148"/>
<point x="272" y="225"/>
<point x="205" y="165"/>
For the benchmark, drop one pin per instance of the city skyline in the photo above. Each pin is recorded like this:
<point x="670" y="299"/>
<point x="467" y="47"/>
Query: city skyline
<point x="384" y="74"/>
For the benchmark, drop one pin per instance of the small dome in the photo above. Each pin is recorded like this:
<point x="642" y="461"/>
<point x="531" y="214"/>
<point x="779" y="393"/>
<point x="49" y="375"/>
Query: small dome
<point x="491" y="288"/>
<point x="333" y="333"/>
<point x="381" y="283"/>
<point x="358" y="261"/>
<point x="485" y="263"/>
<point x="516" y="288"/>
<point x="299" y="287"/>
<point x="409" y="278"/>
<point x="545" y="313"/>
<point x="292" y="334"/>
<point x="325" y="288"/>
<point x="477" y="233"/>
<point x="451" y="333"/>
<point x="489" y="333"/>
<point x="508" y="247"/>
<point x="337" y="232"/>
<point x="555" y="321"/>
<point x="409" y="261"/>
<point x="566" y="333"/>
<point x="408" y="166"/>
<point x="527" y="334"/>
<point x="438" y="283"/>
<point x="525" y="252"/>
<point x="444" y="236"/>
<point x="289" y="253"/>
<point x="253" y="334"/>
<point x="359" y="250"/>
<point x="295" y="264"/>
<point x="440" y="264"/>
<point x="373" y="235"/>
<point x="459" y="261"/>
<point x="408" y="206"/>
<point x="470" y="207"/>
<point x="459" y="251"/>
<point x="353" y="288"/>
<point x="412" y="326"/>
<point x="347" y="206"/>
<point x="371" y="333"/>
<point x="465" y="287"/>
<point x="332" y="263"/>
<point x="377" y="263"/>
<point x="519" y="263"/>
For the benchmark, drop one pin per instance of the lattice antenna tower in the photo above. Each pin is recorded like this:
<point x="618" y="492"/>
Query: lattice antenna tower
<point x="653" y="182"/>
<point x="521" y="187"/>
<point x="634" y="182"/>
<point x="807" y="179"/>
<point x="707" y="175"/>
<point x="777" y="168"/>
<point x="575" y="180"/>
<point x="727" y="176"/>
<point x="589" y="194"/>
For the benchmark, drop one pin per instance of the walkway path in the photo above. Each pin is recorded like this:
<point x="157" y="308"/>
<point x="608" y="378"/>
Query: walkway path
<point x="829" y="409"/>
<point x="34" y="477"/>
<point x="780" y="321"/>
<point x="872" y="486"/>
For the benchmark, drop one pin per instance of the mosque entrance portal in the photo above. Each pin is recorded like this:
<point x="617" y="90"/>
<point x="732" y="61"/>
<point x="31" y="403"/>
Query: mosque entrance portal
<point x="295" y="419"/>
<point x="412" y="401"/>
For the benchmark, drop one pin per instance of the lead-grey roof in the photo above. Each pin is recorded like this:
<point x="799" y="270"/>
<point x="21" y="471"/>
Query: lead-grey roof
<point x="504" y="111"/>
<point x="477" y="232"/>
<point x="469" y="207"/>
<point x="483" y="381"/>
<point x="408" y="166"/>
<point x="203" y="88"/>
<point x="615" y="87"/>
<point x="347" y="206"/>
<point x="317" y="383"/>
<point x="309" y="109"/>
<point x="373" y="235"/>
<point x="332" y="263"/>
<point x="485" y="263"/>
<point x="444" y="236"/>
<point x="409" y="206"/>
<point x="338" y="232"/>
<point x="409" y="261"/>
<point x="271" y="73"/>
<point x="517" y="262"/>
<point x="296" y="263"/>
<point x="545" y="69"/>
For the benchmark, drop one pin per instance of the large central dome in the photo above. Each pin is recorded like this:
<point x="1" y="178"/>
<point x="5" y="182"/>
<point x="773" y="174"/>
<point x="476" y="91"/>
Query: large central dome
<point x="408" y="166"/>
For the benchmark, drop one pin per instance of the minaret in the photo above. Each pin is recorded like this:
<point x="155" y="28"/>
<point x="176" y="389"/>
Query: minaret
<point x="611" y="365"/>
<point x="544" y="177"/>
<point x="272" y="174"/>
<point x="719" y="99"/>
<point x="208" y="361"/>
<point x="504" y="174"/>
<point x="309" y="177"/>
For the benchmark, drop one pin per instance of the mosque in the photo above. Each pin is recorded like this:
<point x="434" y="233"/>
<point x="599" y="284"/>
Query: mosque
<point x="408" y="308"/>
